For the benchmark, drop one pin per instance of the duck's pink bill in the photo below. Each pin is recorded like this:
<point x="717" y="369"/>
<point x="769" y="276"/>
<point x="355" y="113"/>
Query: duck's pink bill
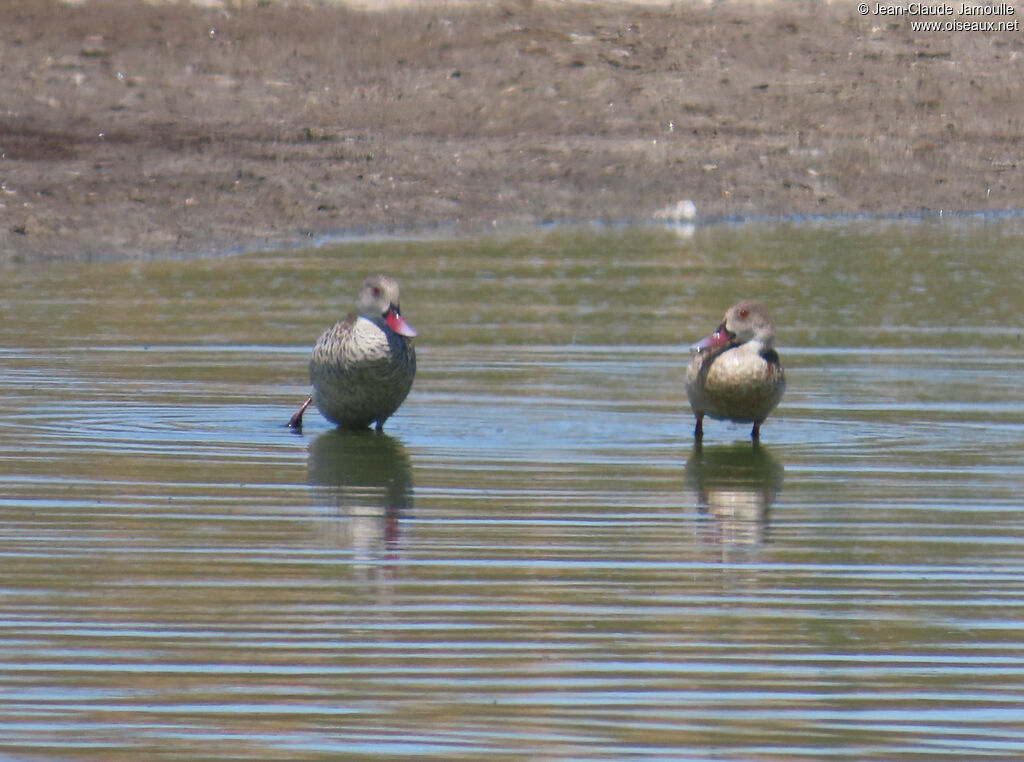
<point x="715" y="340"/>
<point x="398" y="324"/>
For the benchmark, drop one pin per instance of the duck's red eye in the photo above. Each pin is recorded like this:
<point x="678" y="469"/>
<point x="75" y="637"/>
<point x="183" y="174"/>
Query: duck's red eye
<point x="744" y="313"/>
<point x="376" y="291"/>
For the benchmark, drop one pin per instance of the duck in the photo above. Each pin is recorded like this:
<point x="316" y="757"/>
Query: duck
<point x="736" y="374"/>
<point x="363" y="367"/>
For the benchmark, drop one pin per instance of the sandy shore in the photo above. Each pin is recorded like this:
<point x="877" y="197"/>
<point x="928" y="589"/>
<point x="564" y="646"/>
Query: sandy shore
<point x="134" y="130"/>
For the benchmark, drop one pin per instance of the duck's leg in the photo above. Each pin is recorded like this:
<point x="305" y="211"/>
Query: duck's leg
<point x="755" y="433"/>
<point x="296" y="420"/>
<point x="698" y="430"/>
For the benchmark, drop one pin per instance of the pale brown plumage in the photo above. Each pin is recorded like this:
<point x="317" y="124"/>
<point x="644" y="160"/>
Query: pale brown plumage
<point x="736" y="374"/>
<point x="362" y="368"/>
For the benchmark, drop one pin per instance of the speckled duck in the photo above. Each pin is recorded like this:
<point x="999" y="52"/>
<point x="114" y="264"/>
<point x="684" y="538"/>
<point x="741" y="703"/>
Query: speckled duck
<point x="736" y="374"/>
<point x="362" y="369"/>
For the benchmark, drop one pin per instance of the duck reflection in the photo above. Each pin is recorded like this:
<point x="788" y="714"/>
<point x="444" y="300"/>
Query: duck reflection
<point x="365" y="478"/>
<point x="736" y="485"/>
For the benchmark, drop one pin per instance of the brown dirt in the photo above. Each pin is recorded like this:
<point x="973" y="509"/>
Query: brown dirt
<point x="129" y="129"/>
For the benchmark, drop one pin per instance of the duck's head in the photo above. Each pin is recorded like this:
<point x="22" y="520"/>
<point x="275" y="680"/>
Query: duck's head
<point x="379" y="300"/>
<point x="744" y="321"/>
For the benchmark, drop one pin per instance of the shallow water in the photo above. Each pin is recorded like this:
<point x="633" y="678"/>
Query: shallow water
<point x="534" y="561"/>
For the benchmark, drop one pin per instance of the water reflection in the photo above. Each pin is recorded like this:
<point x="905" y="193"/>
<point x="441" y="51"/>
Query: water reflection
<point x="736" y="485"/>
<point x="170" y="589"/>
<point x="365" y="479"/>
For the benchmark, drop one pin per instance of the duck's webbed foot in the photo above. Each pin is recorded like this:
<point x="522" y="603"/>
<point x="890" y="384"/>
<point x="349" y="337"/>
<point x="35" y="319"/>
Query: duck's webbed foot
<point x="295" y="422"/>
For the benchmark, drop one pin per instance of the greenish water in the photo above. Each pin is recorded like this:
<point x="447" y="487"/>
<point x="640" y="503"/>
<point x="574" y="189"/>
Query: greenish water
<point x="534" y="562"/>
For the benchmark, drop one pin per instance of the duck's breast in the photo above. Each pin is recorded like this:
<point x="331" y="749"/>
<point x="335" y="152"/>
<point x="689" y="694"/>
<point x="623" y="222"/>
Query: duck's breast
<point x="740" y="384"/>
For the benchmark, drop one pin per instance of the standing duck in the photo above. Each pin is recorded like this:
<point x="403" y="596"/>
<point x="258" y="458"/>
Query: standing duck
<point x="736" y="374"/>
<point x="362" y="368"/>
